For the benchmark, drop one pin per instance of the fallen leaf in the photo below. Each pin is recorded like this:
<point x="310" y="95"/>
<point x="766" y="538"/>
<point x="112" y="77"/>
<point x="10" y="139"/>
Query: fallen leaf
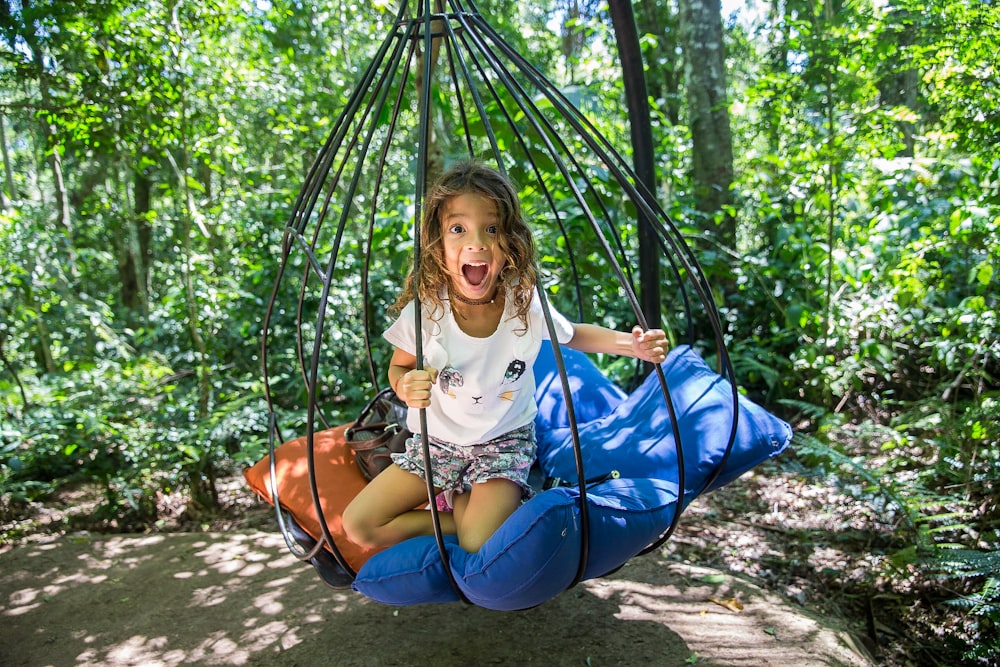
<point x="732" y="604"/>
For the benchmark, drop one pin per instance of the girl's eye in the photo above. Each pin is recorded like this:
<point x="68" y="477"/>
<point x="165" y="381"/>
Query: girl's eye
<point x="456" y="229"/>
<point x="492" y="229"/>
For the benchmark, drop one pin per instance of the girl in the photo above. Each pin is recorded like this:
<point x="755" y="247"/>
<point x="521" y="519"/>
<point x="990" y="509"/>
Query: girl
<point x="482" y="326"/>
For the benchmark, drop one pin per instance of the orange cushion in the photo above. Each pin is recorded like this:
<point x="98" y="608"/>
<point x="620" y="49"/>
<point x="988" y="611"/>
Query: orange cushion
<point x="338" y="479"/>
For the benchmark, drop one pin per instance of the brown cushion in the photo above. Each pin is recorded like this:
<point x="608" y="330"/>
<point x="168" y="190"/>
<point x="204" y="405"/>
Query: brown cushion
<point x="338" y="479"/>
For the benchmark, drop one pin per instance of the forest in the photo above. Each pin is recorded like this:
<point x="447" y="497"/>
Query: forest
<point x="833" y="164"/>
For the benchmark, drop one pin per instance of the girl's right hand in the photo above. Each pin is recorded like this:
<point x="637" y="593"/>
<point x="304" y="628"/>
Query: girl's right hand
<point x="414" y="388"/>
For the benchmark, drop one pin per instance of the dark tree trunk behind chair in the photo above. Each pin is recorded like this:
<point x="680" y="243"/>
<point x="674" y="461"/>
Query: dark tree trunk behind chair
<point x="627" y="39"/>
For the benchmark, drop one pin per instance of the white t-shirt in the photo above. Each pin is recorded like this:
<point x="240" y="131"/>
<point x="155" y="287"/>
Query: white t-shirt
<point x="485" y="386"/>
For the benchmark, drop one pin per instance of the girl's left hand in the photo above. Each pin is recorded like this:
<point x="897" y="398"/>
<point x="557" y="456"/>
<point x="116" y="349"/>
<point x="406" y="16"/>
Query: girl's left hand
<point x="649" y="345"/>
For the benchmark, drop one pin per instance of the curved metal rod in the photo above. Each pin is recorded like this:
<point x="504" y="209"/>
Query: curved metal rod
<point x="293" y="546"/>
<point x="481" y="64"/>
<point x="549" y="133"/>
<point x="546" y="132"/>
<point x="422" y="152"/>
<point x="386" y="146"/>
<point x="644" y="199"/>
<point x="300" y="215"/>
<point x="522" y="141"/>
<point x="375" y="104"/>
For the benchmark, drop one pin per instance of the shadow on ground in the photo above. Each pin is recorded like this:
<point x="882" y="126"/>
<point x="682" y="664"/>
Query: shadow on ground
<point x="241" y="599"/>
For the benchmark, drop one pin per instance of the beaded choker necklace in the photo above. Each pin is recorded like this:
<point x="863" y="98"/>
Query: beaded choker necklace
<point x="472" y="302"/>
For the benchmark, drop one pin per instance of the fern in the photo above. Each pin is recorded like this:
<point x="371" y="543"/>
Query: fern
<point x="968" y="562"/>
<point x="809" y="410"/>
<point x="813" y="446"/>
<point x="984" y="605"/>
<point x="746" y="366"/>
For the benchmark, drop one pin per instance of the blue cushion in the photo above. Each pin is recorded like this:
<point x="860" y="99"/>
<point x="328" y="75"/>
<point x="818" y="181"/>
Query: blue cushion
<point x="594" y="395"/>
<point x="496" y="577"/>
<point x="535" y="554"/>
<point x="637" y="439"/>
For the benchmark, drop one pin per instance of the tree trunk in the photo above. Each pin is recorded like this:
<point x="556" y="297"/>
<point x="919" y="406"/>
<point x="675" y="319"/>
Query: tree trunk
<point x="42" y="348"/>
<point x="134" y="260"/>
<point x="190" y="216"/>
<point x="712" y="150"/>
<point x="13" y="371"/>
<point x="202" y="488"/>
<point x="9" y="193"/>
<point x="573" y="36"/>
<point x="641" y="130"/>
<point x="143" y="189"/>
<point x="434" y="165"/>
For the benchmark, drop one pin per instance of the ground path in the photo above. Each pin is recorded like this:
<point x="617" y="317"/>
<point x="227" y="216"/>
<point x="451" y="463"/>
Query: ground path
<point x="241" y="599"/>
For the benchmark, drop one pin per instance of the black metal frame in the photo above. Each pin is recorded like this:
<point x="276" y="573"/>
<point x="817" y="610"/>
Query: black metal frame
<point x="490" y="85"/>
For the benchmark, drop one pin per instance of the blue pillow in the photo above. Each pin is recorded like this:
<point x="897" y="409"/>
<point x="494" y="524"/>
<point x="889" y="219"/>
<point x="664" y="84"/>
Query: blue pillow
<point x="594" y="395"/>
<point x="535" y="554"/>
<point x="636" y="438"/>
<point x="497" y="576"/>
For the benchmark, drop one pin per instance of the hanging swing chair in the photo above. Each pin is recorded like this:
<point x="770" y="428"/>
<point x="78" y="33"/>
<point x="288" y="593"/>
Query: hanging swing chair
<point x="621" y="466"/>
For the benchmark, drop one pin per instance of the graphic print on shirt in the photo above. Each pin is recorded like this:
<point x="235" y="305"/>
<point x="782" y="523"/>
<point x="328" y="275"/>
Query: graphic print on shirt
<point x="448" y="379"/>
<point x="515" y="370"/>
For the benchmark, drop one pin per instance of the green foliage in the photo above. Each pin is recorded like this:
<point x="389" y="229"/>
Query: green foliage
<point x="127" y="425"/>
<point x="162" y="392"/>
<point x="161" y="146"/>
<point x="869" y="204"/>
<point x="930" y="478"/>
<point x="980" y="570"/>
<point x="879" y="486"/>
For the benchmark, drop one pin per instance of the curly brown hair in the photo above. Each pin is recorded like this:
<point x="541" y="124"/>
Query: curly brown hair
<point x="514" y="239"/>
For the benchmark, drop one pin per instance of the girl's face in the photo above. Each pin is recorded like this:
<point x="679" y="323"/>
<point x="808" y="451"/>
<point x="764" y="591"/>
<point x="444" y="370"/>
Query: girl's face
<point x="472" y="254"/>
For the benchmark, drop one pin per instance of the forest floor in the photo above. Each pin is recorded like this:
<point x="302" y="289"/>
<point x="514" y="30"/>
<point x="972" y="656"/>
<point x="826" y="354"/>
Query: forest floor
<point x="758" y="573"/>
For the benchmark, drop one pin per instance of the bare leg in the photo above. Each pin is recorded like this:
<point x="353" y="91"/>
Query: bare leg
<point x="459" y="501"/>
<point x="480" y="512"/>
<point x="383" y="515"/>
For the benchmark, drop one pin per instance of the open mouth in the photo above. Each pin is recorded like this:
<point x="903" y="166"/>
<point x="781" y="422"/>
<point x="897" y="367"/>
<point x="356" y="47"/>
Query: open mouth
<point x="475" y="272"/>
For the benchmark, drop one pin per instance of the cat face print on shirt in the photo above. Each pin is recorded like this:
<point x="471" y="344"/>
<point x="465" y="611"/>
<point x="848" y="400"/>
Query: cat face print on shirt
<point x="486" y="396"/>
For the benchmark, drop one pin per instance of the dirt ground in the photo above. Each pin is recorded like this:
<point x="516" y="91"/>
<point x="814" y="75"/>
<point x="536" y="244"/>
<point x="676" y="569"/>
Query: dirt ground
<point x="239" y="598"/>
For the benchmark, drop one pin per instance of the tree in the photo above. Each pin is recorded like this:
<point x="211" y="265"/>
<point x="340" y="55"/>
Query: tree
<point x="643" y="159"/>
<point x="708" y="113"/>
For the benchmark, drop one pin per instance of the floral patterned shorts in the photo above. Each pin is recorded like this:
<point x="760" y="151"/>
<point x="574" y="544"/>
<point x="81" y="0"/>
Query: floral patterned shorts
<point x="457" y="467"/>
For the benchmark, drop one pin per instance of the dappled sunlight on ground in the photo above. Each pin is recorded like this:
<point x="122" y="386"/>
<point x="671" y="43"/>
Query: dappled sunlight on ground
<point x="241" y="599"/>
<point x="730" y="620"/>
<point x="190" y="619"/>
